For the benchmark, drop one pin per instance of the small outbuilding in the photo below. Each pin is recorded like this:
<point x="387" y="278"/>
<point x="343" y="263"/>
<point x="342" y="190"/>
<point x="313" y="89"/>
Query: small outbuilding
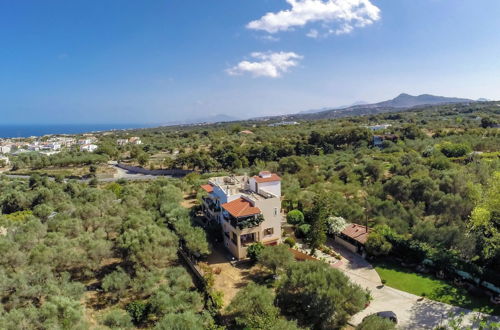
<point x="354" y="238"/>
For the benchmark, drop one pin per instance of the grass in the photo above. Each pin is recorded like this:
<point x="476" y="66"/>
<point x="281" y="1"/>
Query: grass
<point x="435" y="289"/>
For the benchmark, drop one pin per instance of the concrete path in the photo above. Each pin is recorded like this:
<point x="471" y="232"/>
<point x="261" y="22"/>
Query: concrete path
<point x="411" y="313"/>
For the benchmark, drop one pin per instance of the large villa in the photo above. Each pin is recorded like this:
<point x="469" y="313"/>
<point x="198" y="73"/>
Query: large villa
<point x="247" y="208"/>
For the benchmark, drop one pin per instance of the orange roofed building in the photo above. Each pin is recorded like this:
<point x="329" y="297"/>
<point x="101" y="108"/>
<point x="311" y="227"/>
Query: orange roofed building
<point x="248" y="210"/>
<point x="354" y="238"/>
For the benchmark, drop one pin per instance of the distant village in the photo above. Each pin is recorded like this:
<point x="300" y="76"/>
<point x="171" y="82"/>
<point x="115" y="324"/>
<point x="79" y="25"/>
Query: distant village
<point x="50" y="145"/>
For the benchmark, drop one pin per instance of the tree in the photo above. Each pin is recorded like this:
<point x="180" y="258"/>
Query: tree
<point x="253" y="308"/>
<point x="374" y="322"/>
<point x="149" y="246"/>
<point x="377" y="244"/>
<point x="303" y="230"/>
<point x="487" y="122"/>
<point x="117" y="319"/>
<point x="143" y="158"/>
<point x="319" y="296"/>
<point x="276" y="257"/>
<point x="116" y="282"/>
<point x="335" y="225"/>
<point x="254" y="250"/>
<point x="188" y="320"/>
<point x="62" y="313"/>
<point x="138" y="311"/>
<point x="295" y="217"/>
<point x="318" y="215"/>
<point x="455" y="149"/>
<point x="485" y="219"/>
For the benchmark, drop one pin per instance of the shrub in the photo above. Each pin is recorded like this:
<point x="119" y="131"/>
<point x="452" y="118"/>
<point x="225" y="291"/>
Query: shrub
<point x="290" y="241"/>
<point x="275" y="258"/>
<point x="254" y="251"/>
<point x="378" y="245"/>
<point x="303" y="230"/>
<point x="295" y="217"/>
<point x="138" y="311"/>
<point x="455" y="150"/>
<point x="376" y="322"/>
<point x="117" y="318"/>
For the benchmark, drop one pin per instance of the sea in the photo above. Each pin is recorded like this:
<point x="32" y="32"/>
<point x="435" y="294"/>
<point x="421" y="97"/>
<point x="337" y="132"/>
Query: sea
<point x="17" y="131"/>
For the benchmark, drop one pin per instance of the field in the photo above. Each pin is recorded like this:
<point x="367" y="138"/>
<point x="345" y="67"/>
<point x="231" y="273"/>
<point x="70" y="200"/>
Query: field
<point x="419" y="284"/>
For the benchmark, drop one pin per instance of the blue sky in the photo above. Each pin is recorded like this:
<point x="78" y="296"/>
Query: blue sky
<point x="129" y="61"/>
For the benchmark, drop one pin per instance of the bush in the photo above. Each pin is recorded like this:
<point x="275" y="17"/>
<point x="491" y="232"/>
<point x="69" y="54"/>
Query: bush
<point x="377" y="245"/>
<point x="303" y="230"/>
<point x="290" y="241"/>
<point x="275" y="258"/>
<point x="117" y="318"/>
<point x="376" y="322"/>
<point x="295" y="217"/>
<point x="455" y="150"/>
<point x="254" y="251"/>
<point x="138" y="311"/>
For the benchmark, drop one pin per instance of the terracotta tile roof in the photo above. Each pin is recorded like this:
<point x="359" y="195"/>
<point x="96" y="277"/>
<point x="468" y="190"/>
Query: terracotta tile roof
<point x="271" y="178"/>
<point x="240" y="208"/>
<point x="357" y="232"/>
<point x="207" y="187"/>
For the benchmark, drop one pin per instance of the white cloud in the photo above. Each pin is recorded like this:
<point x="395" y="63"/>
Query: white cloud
<point x="345" y="14"/>
<point x="313" y="33"/>
<point x="268" y="64"/>
<point x="269" y="38"/>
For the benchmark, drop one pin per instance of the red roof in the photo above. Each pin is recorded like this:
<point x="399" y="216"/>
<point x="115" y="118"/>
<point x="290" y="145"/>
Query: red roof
<point x="271" y="178"/>
<point x="357" y="232"/>
<point x="207" y="187"/>
<point x="240" y="208"/>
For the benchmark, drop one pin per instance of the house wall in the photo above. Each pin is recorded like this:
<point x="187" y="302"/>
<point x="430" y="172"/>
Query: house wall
<point x="272" y="219"/>
<point x="271" y="210"/>
<point x="273" y="187"/>
<point x="346" y="244"/>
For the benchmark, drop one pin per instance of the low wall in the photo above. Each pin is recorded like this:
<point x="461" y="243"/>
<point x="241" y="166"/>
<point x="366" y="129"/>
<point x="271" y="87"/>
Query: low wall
<point x="140" y="170"/>
<point x="301" y="256"/>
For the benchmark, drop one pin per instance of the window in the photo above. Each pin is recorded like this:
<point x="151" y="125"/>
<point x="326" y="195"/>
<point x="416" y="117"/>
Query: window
<point x="247" y="239"/>
<point x="234" y="238"/>
<point x="275" y="211"/>
<point x="268" y="231"/>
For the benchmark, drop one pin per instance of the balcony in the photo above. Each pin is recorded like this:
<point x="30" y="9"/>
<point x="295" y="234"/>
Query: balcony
<point x="211" y="206"/>
<point x="244" y="223"/>
<point x="248" y="239"/>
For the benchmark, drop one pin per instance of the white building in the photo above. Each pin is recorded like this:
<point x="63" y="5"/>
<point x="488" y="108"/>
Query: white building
<point x="247" y="208"/>
<point x="5" y="149"/>
<point x="122" y="142"/>
<point x="89" y="147"/>
<point x="135" y="140"/>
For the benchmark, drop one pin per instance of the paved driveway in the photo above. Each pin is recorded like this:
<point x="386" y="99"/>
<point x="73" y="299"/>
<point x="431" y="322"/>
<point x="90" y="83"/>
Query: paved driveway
<point x="412" y="314"/>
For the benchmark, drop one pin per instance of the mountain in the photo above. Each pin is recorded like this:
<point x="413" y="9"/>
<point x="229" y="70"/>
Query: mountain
<point x="408" y="101"/>
<point x="399" y="103"/>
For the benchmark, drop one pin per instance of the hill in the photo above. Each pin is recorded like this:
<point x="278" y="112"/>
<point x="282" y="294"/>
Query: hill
<point x="400" y="103"/>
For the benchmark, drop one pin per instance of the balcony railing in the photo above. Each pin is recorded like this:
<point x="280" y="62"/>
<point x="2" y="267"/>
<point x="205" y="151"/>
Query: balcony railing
<point x="243" y="223"/>
<point x="211" y="205"/>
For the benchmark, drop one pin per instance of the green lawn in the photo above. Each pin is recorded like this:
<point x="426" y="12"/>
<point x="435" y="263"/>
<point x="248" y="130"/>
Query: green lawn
<point x="406" y="280"/>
